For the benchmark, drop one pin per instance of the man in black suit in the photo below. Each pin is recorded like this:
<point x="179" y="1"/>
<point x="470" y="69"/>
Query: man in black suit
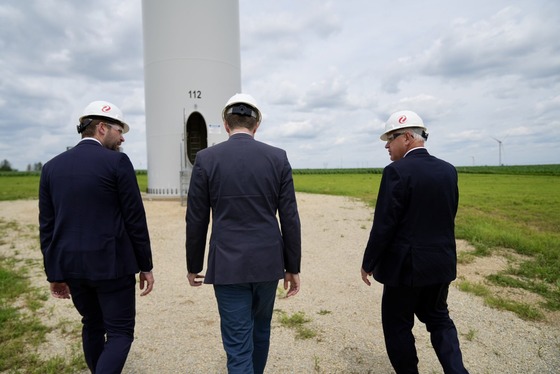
<point x="94" y="235"/>
<point x="244" y="184"/>
<point x="411" y="248"/>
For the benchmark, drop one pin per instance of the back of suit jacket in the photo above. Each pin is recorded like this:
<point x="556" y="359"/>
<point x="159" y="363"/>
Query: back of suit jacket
<point x="92" y="219"/>
<point x="244" y="183"/>
<point x="412" y="241"/>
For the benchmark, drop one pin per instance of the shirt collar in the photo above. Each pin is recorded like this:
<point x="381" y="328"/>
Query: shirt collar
<point x="410" y="150"/>
<point x="90" y="138"/>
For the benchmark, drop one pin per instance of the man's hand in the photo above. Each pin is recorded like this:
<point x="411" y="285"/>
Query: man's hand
<point x="148" y="280"/>
<point x="293" y="281"/>
<point x="365" y="276"/>
<point x="60" y="290"/>
<point x="193" y="279"/>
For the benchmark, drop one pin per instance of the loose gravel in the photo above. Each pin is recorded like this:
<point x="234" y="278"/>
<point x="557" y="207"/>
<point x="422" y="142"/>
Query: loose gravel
<point x="177" y="328"/>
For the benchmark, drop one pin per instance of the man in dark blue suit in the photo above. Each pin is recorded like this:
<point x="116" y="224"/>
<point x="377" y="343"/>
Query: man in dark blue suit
<point x="412" y="249"/>
<point x="244" y="184"/>
<point x="94" y="235"/>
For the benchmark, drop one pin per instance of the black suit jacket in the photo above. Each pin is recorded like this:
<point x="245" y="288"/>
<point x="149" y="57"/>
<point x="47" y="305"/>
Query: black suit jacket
<point x="244" y="184"/>
<point x="91" y="216"/>
<point x="412" y="241"/>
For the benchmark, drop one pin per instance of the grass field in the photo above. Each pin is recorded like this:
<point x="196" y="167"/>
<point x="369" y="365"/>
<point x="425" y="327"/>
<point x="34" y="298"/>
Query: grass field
<point x="516" y="207"/>
<point x="519" y="210"/>
<point x="502" y="207"/>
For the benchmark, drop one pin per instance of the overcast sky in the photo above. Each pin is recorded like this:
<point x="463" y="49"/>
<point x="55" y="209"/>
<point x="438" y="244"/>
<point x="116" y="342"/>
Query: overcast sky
<point x="327" y="75"/>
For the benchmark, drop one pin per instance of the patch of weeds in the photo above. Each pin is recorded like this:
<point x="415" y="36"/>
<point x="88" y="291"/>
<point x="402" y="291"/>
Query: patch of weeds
<point x="522" y="310"/>
<point x="323" y="312"/>
<point x="551" y="294"/>
<point x="466" y="258"/>
<point x="35" y="299"/>
<point x="70" y="328"/>
<point x="505" y="280"/>
<point x="281" y="292"/>
<point x="22" y="333"/>
<point x="475" y="288"/>
<point x="539" y="352"/>
<point x="63" y="365"/>
<point x="316" y="366"/>
<point x="18" y="330"/>
<point x="481" y="248"/>
<point x="305" y="333"/>
<point x="297" y="321"/>
<point x="471" y="334"/>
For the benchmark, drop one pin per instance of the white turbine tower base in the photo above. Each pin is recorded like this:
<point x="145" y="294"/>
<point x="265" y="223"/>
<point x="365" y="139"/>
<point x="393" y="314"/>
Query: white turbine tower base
<point x="192" y="66"/>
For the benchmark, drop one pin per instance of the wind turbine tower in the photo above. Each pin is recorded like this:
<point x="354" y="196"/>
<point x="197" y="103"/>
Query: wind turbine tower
<point x="192" y="65"/>
<point x="499" y="151"/>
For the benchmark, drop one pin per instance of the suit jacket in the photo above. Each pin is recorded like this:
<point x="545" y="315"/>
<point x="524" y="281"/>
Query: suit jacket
<point x="244" y="184"/>
<point x="91" y="216"/>
<point x="412" y="240"/>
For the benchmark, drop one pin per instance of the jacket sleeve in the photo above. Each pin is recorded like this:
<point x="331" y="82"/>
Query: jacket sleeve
<point x="46" y="214"/>
<point x="134" y="215"/>
<point x="289" y="221"/>
<point x="197" y="218"/>
<point x="388" y="211"/>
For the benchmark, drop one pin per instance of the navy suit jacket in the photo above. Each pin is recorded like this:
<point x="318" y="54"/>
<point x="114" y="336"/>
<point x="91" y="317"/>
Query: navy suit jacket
<point x="412" y="240"/>
<point x="91" y="216"/>
<point x="244" y="183"/>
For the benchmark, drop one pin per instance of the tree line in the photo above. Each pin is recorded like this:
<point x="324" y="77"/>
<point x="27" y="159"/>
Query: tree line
<point x="6" y="165"/>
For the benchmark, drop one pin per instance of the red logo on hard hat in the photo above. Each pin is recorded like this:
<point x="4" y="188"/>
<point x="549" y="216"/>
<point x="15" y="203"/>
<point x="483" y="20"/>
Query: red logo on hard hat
<point x="106" y="108"/>
<point x="402" y="119"/>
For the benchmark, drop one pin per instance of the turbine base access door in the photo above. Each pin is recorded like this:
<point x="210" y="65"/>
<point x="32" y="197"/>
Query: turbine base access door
<point x="196" y="136"/>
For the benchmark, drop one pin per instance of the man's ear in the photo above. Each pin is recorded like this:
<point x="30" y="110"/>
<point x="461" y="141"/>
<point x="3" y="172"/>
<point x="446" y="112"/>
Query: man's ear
<point x="226" y="127"/>
<point x="102" y="128"/>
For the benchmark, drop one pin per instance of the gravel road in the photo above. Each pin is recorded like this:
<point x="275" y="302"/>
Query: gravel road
<point x="178" y="326"/>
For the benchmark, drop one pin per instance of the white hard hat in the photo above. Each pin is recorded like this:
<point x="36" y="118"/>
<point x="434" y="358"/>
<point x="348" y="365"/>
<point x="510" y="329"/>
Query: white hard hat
<point x="401" y="120"/>
<point x="240" y="98"/>
<point x="107" y="110"/>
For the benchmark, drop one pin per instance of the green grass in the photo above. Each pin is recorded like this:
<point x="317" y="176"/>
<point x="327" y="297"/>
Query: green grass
<point x="500" y="207"/>
<point x="514" y="207"/>
<point x="518" y="212"/>
<point x="25" y="185"/>
<point x="361" y="186"/>
<point x="19" y="186"/>
<point x="21" y="331"/>
<point x="523" y="310"/>
<point x="551" y="169"/>
<point x="142" y="181"/>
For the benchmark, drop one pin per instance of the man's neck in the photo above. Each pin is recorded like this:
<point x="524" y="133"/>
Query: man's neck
<point x="91" y="138"/>
<point x="241" y="131"/>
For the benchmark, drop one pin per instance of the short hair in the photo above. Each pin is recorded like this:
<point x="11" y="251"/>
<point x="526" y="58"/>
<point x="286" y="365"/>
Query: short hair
<point x="417" y="133"/>
<point x="235" y="121"/>
<point x="90" y="129"/>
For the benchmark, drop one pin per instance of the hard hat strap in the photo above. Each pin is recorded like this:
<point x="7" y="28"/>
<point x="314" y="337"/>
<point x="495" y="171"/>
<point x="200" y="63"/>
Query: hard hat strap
<point x="242" y="110"/>
<point x="83" y="124"/>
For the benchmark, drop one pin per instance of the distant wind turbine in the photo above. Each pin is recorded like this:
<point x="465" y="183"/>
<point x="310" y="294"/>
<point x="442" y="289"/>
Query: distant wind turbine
<point x="499" y="150"/>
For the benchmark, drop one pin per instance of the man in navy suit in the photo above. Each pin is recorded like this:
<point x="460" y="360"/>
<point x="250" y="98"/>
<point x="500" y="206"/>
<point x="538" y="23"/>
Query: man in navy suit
<point x="244" y="184"/>
<point x="411" y="248"/>
<point x="94" y="235"/>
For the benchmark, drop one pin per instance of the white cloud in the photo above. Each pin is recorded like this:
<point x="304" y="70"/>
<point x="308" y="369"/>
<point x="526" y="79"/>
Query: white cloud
<point x="326" y="73"/>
